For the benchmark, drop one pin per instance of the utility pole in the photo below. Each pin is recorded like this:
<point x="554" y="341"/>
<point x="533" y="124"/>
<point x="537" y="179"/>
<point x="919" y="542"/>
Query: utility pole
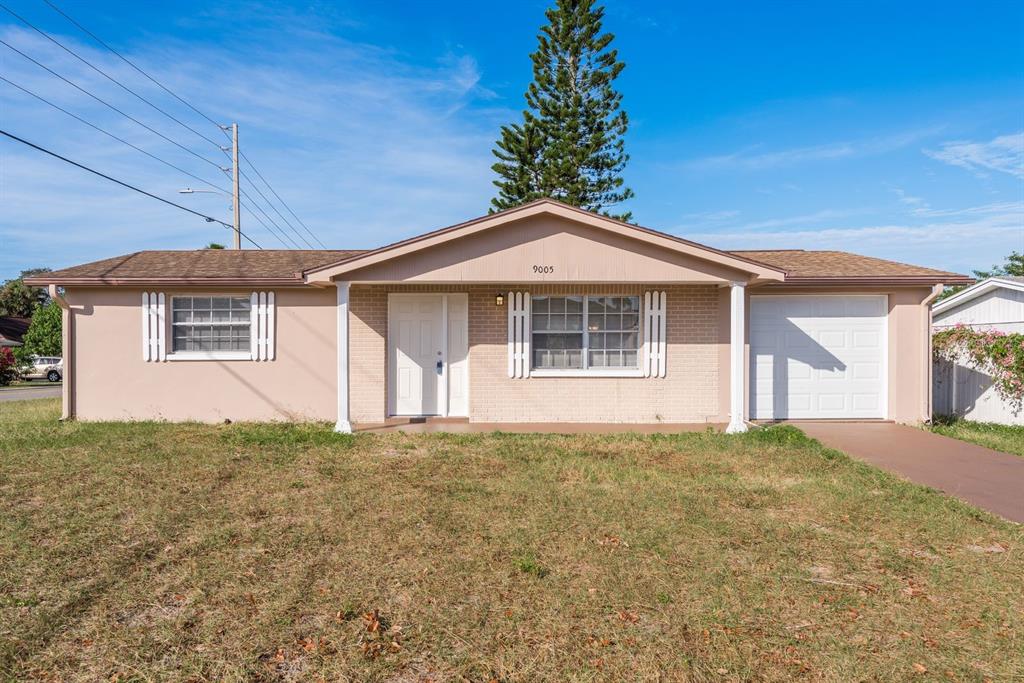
<point x="234" y="186"/>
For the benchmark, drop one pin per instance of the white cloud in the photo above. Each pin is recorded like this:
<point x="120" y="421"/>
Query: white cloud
<point x="366" y="146"/>
<point x="991" y="230"/>
<point x="751" y="159"/>
<point x="908" y="199"/>
<point x="1004" y="154"/>
<point x="746" y="159"/>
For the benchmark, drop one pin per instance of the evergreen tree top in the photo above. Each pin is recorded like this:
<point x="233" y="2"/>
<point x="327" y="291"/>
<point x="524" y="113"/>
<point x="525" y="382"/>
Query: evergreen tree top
<point x="569" y="145"/>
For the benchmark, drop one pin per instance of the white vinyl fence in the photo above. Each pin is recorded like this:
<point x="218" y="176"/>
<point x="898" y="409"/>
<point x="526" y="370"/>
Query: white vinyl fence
<point x="958" y="389"/>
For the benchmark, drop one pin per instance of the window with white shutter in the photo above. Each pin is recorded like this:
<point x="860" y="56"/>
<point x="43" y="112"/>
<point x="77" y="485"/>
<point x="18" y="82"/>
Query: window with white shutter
<point x="209" y="327"/>
<point x="577" y="335"/>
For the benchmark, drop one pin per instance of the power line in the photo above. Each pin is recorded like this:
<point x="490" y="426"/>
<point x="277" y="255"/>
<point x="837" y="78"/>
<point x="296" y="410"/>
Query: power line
<point x="285" y="205"/>
<point x="188" y="104"/>
<point x="209" y="219"/>
<point x="130" y="63"/>
<point x="255" y="205"/>
<point x="271" y="205"/>
<point x="107" y="104"/>
<point x="252" y="214"/>
<point x="104" y="73"/>
<point x="109" y="134"/>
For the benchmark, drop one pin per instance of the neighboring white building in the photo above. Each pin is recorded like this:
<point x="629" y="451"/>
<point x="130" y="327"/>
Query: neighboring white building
<point x="996" y="303"/>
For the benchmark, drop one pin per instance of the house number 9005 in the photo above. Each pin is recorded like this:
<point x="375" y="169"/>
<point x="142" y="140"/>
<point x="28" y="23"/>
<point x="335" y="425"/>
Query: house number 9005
<point x="544" y="270"/>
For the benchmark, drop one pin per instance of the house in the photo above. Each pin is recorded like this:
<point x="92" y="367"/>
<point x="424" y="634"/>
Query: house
<point x="996" y="303"/>
<point x="542" y="313"/>
<point x="12" y="330"/>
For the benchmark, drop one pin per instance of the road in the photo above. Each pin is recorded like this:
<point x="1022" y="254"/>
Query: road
<point x="40" y="391"/>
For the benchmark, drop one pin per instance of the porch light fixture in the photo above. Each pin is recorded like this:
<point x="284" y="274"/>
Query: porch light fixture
<point x="499" y="299"/>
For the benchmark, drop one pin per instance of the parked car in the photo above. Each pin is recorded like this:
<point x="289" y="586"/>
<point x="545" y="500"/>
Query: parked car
<point x="45" y="367"/>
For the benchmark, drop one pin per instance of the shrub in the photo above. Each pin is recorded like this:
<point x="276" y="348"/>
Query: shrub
<point x="998" y="354"/>
<point x="43" y="337"/>
<point x="8" y="367"/>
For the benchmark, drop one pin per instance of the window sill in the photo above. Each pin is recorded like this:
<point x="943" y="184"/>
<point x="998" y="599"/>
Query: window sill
<point x="595" y="372"/>
<point x="209" y="355"/>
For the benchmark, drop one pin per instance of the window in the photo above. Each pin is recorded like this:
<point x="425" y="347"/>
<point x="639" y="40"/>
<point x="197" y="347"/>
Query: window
<point x="585" y="332"/>
<point x="210" y="323"/>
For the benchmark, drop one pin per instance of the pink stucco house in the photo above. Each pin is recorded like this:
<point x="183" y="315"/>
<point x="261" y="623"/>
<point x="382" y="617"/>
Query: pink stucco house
<point x="543" y="313"/>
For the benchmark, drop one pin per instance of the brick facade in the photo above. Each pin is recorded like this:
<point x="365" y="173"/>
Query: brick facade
<point x="690" y="391"/>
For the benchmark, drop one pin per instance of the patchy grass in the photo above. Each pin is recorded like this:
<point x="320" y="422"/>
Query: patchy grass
<point x="153" y="551"/>
<point x="1006" y="438"/>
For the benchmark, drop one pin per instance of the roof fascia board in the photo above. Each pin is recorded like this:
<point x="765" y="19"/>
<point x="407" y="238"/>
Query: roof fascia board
<point x="983" y="287"/>
<point x="179" y="281"/>
<point x="324" y="273"/>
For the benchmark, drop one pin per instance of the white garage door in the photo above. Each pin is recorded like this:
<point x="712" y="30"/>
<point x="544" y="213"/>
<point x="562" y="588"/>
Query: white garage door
<point x="818" y="357"/>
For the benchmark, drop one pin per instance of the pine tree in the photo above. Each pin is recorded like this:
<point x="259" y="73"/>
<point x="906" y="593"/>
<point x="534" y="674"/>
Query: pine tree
<point x="570" y="145"/>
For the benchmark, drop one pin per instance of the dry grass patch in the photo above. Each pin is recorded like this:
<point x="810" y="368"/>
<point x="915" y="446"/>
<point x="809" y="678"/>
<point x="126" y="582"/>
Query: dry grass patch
<point x="251" y="552"/>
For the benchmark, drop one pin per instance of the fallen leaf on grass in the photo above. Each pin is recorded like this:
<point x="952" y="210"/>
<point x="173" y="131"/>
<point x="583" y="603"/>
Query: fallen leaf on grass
<point x="613" y="541"/>
<point x="628" y="617"/>
<point x="920" y="668"/>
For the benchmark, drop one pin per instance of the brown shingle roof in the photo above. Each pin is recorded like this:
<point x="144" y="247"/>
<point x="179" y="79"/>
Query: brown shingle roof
<point x="842" y="265"/>
<point x="270" y="266"/>
<point x="13" y="328"/>
<point x="206" y="266"/>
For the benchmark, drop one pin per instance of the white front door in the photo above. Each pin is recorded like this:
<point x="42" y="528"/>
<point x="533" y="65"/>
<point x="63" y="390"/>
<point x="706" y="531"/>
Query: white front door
<point x="818" y="356"/>
<point x="428" y="354"/>
<point x="417" y="338"/>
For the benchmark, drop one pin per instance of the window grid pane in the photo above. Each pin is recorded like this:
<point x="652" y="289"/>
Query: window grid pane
<point x="206" y="323"/>
<point x="582" y="332"/>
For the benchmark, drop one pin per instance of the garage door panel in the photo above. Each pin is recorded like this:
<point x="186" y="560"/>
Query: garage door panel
<point x="832" y="339"/>
<point x="832" y="403"/>
<point x="818" y="356"/>
<point x="867" y="370"/>
<point x="866" y="402"/>
<point x="833" y="375"/>
<point x="867" y="339"/>
<point x="796" y="371"/>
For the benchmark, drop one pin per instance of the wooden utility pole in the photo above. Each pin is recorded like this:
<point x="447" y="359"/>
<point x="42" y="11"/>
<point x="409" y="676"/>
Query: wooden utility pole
<point x="234" y="186"/>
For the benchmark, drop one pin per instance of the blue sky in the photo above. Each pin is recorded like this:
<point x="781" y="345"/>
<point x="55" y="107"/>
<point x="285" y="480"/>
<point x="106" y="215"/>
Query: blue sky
<point x="890" y="129"/>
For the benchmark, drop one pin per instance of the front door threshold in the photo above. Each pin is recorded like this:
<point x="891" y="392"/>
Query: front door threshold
<point x="423" y="419"/>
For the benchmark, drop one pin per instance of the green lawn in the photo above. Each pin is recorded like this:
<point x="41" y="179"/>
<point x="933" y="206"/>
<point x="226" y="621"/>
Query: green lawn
<point x="239" y="552"/>
<point x="999" y="437"/>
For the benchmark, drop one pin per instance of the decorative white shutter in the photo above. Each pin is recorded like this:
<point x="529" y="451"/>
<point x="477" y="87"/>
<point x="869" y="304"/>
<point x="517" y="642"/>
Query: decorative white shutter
<point x="518" y="335"/>
<point x="146" y="356"/>
<point x="161" y="330"/>
<point x="654" y="352"/>
<point x="254" y="335"/>
<point x="154" y="326"/>
<point x="270" y="326"/>
<point x="261" y="326"/>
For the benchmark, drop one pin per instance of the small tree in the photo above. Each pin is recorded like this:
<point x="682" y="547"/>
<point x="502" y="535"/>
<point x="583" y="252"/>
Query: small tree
<point x="214" y="245"/>
<point x="1014" y="266"/>
<point x="20" y="300"/>
<point x="43" y="337"/>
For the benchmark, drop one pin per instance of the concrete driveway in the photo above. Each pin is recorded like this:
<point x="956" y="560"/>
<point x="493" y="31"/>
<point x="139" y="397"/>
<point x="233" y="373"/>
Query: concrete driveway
<point x="39" y="391"/>
<point x="985" y="478"/>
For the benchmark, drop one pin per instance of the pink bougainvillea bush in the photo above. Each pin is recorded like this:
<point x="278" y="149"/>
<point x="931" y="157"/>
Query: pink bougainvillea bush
<point x="998" y="354"/>
<point x="8" y="366"/>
